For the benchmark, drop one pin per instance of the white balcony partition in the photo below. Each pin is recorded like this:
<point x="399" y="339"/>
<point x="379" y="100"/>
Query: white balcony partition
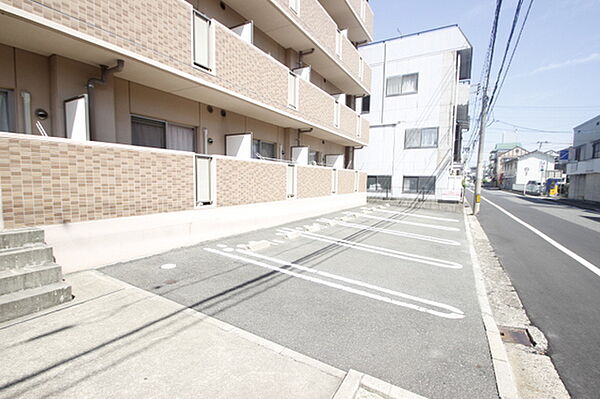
<point x="239" y="145"/>
<point x="77" y="118"/>
<point x="300" y="155"/>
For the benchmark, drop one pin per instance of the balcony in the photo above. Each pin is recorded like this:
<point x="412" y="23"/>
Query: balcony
<point x="583" y="167"/>
<point x="241" y="78"/>
<point x="311" y="27"/>
<point x="354" y="15"/>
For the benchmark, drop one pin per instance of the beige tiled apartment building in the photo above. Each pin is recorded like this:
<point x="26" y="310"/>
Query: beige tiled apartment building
<point x="117" y="109"/>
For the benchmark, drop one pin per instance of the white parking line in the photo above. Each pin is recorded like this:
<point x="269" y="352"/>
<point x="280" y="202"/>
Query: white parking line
<point x="398" y="233"/>
<point x="589" y="265"/>
<point x="381" y="251"/>
<point x="453" y="313"/>
<point x="431" y="226"/>
<point x="413" y="215"/>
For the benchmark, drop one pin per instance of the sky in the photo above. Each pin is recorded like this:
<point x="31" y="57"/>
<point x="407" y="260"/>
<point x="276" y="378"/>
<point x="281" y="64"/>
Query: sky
<point x="554" y="81"/>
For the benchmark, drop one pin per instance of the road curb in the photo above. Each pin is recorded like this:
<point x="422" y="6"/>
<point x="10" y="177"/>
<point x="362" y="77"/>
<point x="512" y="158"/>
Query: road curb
<point x="505" y="380"/>
<point x="356" y="381"/>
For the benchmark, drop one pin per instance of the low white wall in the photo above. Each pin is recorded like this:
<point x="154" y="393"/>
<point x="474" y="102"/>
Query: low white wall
<point x="87" y="245"/>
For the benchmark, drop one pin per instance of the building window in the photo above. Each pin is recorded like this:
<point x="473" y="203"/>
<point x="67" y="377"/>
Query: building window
<point x="402" y="85"/>
<point x="202" y="42"/>
<point x="578" y="153"/>
<point x="263" y="149"/>
<point x="293" y="90"/>
<point x="421" y="138"/>
<point x="418" y="185"/>
<point x="366" y="105"/>
<point x="379" y="184"/>
<point x="314" y="157"/>
<point x="158" y="134"/>
<point x="596" y="150"/>
<point x="7" y="114"/>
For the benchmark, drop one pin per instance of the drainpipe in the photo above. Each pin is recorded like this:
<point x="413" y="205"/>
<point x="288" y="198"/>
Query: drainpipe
<point x="105" y="72"/>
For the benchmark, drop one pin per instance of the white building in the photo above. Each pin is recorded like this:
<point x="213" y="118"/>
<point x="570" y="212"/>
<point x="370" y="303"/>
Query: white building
<point x="533" y="166"/>
<point x="583" y="168"/>
<point x="418" y="109"/>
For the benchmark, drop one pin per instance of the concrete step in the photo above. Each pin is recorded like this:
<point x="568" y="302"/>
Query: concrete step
<point x="18" y="237"/>
<point x="14" y="280"/>
<point x="24" y="302"/>
<point x="28" y="255"/>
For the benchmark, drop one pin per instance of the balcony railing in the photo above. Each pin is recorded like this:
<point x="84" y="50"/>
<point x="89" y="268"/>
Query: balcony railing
<point x="583" y="167"/>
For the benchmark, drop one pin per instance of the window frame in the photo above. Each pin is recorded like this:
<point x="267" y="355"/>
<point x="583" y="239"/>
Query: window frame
<point x="421" y="146"/>
<point x="362" y="105"/>
<point x="419" y="185"/>
<point x="260" y="142"/>
<point x="166" y="125"/>
<point x="402" y="77"/>
<point x="377" y="179"/>
<point x="596" y="149"/>
<point x="11" y="109"/>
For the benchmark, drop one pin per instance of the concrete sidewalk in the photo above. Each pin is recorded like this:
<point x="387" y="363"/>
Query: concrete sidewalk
<point x="115" y="340"/>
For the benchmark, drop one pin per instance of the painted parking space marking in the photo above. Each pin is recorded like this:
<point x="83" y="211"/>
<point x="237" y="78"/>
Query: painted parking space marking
<point x="381" y="251"/>
<point x="431" y="226"/>
<point x="449" y="313"/>
<point x="413" y="215"/>
<point x="587" y="264"/>
<point x="398" y="233"/>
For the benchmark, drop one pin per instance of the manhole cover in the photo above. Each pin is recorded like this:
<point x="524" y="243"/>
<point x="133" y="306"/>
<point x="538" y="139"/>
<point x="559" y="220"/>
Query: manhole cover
<point x="515" y="335"/>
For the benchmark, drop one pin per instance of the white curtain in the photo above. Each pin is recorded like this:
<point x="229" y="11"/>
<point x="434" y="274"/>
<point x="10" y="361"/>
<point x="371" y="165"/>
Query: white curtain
<point x="180" y="138"/>
<point x="409" y="83"/>
<point x="429" y="137"/>
<point x="394" y="86"/>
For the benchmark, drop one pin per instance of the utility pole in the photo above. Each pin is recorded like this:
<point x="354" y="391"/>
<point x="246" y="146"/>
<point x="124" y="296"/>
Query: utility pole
<point x="480" y="154"/>
<point x="484" y="108"/>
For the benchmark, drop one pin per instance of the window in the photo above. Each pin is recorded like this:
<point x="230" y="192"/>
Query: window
<point x="379" y="183"/>
<point x="158" y="134"/>
<point x="366" y="105"/>
<point x="421" y="138"/>
<point x="418" y="185"/>
<point x="578" y="153"/>
<point x="147" y="132"/>
<point x="202" y="43"/>
<point x="7" y="115"/>
<point x="596" y="150"/>
<point x="263" y="149"/>
<point x="295" y="6"/>
<point x="293" y="90"/>
<point x="402" y="84"/>
<point x="314" y="157"/>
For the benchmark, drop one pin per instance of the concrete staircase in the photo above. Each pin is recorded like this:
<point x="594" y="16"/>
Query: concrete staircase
<point x="29" y="279"/>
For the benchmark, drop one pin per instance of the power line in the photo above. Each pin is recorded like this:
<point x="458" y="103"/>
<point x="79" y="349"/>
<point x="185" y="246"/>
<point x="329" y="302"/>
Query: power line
<point x="531" y="128"/>
<point x="512" y="54"/>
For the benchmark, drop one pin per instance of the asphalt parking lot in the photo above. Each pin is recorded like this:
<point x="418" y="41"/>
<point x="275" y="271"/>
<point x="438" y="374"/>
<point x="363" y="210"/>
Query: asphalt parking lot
<point x="384" y="290"/>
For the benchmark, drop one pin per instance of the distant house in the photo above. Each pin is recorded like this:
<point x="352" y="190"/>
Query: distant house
<point x="499" y="156"/>
<point x="533" y="166"/>
<point x="583" y="168"/>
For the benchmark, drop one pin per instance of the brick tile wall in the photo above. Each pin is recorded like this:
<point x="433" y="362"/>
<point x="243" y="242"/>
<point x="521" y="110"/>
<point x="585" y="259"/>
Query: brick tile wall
<point x="162" y="32"/>
<point x="313" y="181"/>
<point x="346" y="181"/>
<point x="247" y="182"/>
<point x="54" y="181"/>
<point x="362" y="182"/>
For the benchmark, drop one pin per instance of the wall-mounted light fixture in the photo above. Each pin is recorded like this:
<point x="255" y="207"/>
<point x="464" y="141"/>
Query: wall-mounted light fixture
<point x="41" y="114"/>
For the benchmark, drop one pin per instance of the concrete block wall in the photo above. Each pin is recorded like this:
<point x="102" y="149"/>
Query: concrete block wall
<point x="53" y="181"/>
<point x="242" y="182"/>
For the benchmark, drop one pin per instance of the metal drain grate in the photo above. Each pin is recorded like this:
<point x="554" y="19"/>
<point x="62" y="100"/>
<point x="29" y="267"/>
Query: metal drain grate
<point x="515" y="335"/>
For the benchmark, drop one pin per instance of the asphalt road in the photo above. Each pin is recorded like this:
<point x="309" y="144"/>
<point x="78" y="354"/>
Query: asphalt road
<point x="560" y="295"/>
<point x="401" y="306"/>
